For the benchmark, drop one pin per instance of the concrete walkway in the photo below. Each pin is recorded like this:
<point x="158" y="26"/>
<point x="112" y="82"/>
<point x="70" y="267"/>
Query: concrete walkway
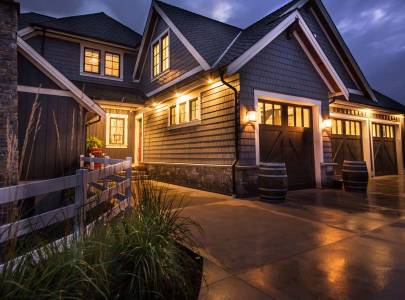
<point x="320" y="244"/>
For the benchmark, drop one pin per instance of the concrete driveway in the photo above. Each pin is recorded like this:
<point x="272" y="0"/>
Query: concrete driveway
<point x="320" y="244"/>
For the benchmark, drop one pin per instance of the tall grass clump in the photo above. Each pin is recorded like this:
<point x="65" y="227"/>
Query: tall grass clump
<point x="139" y="255"/>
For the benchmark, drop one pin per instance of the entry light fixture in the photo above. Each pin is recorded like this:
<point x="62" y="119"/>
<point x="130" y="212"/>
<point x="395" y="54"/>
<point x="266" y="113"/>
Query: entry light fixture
<point x="326" y="123"/>
<point x="251" y="116"/>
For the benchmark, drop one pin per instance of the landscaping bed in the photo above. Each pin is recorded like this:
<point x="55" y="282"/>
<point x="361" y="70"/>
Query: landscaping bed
<point x="138" y="255"/>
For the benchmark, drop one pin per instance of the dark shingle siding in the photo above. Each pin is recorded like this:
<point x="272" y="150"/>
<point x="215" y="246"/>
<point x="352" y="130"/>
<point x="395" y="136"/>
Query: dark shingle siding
<point x="181" y="61"/>
<point x="327" y="48"/>
<point x="209" y="37"/>
<point x="281" y="67"/>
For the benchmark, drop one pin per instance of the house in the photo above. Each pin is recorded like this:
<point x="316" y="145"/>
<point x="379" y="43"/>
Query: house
<point x="201" y="103"/>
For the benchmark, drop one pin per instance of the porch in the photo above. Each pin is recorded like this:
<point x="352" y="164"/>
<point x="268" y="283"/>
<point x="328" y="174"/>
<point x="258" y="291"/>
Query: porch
<point x="319" y="244"/>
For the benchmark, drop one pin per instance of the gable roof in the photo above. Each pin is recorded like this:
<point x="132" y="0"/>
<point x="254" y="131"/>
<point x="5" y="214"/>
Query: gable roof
<point x="50" y="71"/>
<point x="26" y="19"/>
<point x="206" y="39"/>
<point x="208" y="36"/>
<point x="383" y="101"/>
<point x="253" y="33"/>
<point x="98" y="26"/>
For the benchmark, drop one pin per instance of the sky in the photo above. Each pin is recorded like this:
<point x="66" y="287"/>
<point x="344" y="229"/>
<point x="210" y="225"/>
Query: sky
<point x="374" y="30"/>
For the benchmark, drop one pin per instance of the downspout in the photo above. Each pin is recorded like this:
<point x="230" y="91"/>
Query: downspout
<point x="236" y="124"/>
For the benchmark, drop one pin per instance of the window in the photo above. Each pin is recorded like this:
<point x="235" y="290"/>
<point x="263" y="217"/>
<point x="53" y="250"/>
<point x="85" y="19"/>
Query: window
<point x="117" y="130"/>
<point x="385" y="131"/>
<point x="185" y="112"/>
<point x="337" y="127"/>
<point x="112" y="64"/>
<point x="270" y="113"/>
<point x="101" y="63"/>
<point x="91" y="61"/>
<point x="182" y="112"/>
<point x="299" y="116"/>
<point x="193" y="110"/>
<point x="172" y="117"/>
<point x="160" y="55"/>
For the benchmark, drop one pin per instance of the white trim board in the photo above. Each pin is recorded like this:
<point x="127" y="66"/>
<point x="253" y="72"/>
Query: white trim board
<point x="43" y="91"/>
<point x="173" y="82"/>
<point x="316" y="123"/>
<point x="236" y="65"/>
<point x="49" y="70"/>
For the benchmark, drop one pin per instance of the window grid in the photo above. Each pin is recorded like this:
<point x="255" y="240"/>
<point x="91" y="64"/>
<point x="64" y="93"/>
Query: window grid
<point x="117" y="131"/>
<point x="112" y="64"/>
<point x="165" y="53"/>
<point x="156" y="59"/>
<point x="193" y="110"/>
<point x="91" y="60"/>
<point x="298" y="116"/>
<point x="172" y="117"/>
<point x="270" y="113"/>
<point x="182" y="112"/>
<point x="383" y="131"/>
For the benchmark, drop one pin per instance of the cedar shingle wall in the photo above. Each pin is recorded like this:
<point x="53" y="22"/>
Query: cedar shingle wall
<point x="211" y="142"/>
<point x="181" y="60"/>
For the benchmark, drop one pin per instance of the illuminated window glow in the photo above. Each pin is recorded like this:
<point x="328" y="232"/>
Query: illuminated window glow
<point x="112" y="64"/>
<point x="91" y="60"/>
<point x="160" y="55"/>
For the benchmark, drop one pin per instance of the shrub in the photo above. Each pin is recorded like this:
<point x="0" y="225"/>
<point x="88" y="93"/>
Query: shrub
<point x="93" y="142"/>
<point x="136" y="256"/>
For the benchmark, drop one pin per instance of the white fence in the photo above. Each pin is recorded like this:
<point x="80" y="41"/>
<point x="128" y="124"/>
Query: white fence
<point x="106" y="182"/>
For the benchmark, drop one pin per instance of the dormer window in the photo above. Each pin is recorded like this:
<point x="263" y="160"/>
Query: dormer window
<point x="160" y="55"/>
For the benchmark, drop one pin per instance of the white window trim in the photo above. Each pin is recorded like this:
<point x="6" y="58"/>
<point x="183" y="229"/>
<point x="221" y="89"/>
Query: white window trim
<point x="107" y="140"/>
<point x="188" y="122"/>
<point x="137" y="129"/>
<point x="159" y="40"/>
<point x="102" y="50"/>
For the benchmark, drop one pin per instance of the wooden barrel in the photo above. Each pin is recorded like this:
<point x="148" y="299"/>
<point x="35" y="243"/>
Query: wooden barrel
<point x="355" y="176"/>
<point x="273" y="182"/>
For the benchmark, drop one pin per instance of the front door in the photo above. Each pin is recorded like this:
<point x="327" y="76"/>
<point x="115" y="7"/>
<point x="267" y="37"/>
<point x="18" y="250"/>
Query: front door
<point x="384" y="146"/>
<point x="346" y="142"/>
<point x="286" y="135"/>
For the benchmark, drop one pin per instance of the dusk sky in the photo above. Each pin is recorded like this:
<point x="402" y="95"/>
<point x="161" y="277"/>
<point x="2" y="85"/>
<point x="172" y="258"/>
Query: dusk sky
<point x="373" y="29"/>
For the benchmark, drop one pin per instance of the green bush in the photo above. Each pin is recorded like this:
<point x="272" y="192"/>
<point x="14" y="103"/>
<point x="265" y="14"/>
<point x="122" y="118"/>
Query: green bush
<point x="93" y="142"/>
<point x="137" y="256"/>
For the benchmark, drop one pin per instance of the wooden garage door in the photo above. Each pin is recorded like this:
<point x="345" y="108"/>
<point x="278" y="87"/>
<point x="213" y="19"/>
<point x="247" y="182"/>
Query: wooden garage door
<point x="286" y="135"/>
<point x="346" y="142"/>
<point x="385" y="156"/>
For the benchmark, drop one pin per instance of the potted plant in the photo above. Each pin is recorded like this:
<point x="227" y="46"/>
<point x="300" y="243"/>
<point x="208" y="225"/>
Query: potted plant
<point x="94" y="146"/>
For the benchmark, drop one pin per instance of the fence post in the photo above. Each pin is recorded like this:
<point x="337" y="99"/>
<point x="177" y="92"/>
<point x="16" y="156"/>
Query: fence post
<point x="80" y="201"/>
<point x="81" y="161"/>
<point x="128" y="175"/>
<point x="91" y="162"/>
<point x="106" y="163"/>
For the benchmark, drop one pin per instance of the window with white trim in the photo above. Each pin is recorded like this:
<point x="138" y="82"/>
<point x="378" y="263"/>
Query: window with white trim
<point x="116" y="130"/>
<point x="160" y="55"/>
<point x="101" y="63"/>
<point x="184" y="112"/>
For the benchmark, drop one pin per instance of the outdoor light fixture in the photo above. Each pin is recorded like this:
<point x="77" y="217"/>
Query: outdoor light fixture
<point x="327" y="123"/>
<point x="251" y="116"/>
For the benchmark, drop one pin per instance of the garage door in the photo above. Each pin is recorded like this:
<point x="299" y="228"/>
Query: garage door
<point x="385" y="156"/>
<point x="286" y="135"/>
<point x="346" y="142"/>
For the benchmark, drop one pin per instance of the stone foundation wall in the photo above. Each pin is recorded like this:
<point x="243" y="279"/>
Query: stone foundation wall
<point x="8" y="101"/>
<point x="247" y="181"/>
<point x="205" y="177"/>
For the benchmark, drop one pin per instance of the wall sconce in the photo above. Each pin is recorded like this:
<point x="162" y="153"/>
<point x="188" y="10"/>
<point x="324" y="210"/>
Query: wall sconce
<point x="326" y="123"/>
<point x="251" y="116"/>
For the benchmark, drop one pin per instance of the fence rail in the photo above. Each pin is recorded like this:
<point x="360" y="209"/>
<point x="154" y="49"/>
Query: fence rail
<point x="106" y="183"/>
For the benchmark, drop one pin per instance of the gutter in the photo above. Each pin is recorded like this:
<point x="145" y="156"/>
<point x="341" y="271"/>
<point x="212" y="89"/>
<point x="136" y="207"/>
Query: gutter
<point x="236" y="118"/>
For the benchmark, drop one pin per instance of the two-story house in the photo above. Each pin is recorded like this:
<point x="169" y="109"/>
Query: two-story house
<point x="201" y="103"/>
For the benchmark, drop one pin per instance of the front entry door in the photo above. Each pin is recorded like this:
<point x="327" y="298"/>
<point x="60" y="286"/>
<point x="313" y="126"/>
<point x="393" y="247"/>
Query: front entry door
<point x="384" y="146"/>
<point x="346" y="142"/>
<point x="286" y="135"/>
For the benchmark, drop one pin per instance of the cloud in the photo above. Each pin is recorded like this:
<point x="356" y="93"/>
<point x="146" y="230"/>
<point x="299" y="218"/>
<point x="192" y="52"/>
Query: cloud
<point x="223" y="11"/>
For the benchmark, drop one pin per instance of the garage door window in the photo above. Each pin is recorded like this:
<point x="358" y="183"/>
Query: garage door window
<point x="270" y="113"/>
<point x="298" y="117"/>
<point x="385" y="131"/>
<point x="347" y="128"/>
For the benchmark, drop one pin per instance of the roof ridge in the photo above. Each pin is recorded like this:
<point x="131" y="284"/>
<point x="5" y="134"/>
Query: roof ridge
<point x="197" y="14"/>
<point x="35" y="13"/>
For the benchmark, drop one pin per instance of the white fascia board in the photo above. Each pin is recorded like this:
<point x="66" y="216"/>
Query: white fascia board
<point x="236" y="65"/>
<point x="39" y="61"/>
<point x="182" y="38"/>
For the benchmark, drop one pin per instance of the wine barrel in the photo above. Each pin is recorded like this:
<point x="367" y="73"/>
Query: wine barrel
<point x="355" y="176"/>
<point x="273" y="182"/>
